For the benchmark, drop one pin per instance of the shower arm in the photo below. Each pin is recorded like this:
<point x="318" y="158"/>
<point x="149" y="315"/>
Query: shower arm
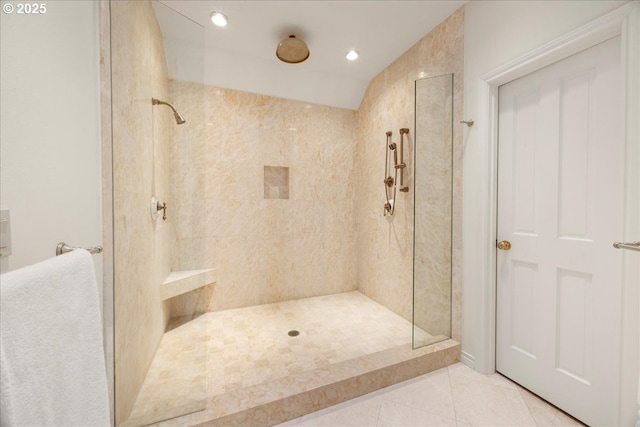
<point x="155" y="101"/>
<point x="179" y="119"/>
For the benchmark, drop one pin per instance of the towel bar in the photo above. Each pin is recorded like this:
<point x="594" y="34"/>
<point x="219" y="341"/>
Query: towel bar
<point x="63" y="248"/>
<point x="634" y="246"/>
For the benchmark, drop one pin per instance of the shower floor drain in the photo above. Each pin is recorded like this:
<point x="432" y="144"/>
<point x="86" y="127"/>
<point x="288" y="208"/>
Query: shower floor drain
<point x="293" y="333"/>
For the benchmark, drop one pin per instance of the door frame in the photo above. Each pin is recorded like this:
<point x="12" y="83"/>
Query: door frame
<point x="624" y="21"/>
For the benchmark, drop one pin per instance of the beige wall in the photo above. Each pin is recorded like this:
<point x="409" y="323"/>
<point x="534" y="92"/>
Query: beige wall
<point x="141" y="246"/>
<point x="385" y="244"/>
<point x="49" y="132"/>
<point x="266" y="250"/>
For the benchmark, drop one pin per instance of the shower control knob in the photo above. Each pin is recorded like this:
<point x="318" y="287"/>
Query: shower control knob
<point x="163" y="208"/>
<point x="504" y="245"/>
<point x="389" y="181"/>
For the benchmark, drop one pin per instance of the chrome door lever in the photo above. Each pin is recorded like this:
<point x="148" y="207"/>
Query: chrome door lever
<point x="634" y="246"/>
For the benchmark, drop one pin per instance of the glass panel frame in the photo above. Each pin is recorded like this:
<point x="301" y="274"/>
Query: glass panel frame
<point x="433" y="195"/>
<point x="159" y="322"/>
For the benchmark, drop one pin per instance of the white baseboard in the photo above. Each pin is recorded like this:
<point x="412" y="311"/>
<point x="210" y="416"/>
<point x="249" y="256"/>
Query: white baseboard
<point x="468" y="360"/>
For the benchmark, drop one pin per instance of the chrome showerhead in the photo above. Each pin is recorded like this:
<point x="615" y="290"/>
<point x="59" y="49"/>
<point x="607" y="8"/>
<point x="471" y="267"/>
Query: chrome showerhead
<point x="179" y="119"/>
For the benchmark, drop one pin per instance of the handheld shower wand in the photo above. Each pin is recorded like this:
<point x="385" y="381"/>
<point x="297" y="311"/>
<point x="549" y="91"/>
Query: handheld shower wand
<point x="392" y="147"/>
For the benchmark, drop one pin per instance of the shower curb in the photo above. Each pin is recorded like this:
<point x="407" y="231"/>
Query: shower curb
<point x="320" y="388"/>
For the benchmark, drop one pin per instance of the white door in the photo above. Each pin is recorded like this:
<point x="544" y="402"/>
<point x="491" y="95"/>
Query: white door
<point x="560" y="205"/>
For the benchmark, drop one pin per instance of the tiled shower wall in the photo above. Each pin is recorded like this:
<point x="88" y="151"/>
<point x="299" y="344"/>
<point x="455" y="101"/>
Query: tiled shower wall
<point x="140" y="169"/>
<point x="385" y="244"/>
<point x="273" y="249"/>
<point x="270" y="242"/>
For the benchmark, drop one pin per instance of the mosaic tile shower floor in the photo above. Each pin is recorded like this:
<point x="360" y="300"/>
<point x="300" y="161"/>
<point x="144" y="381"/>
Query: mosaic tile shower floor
<point x="221" y="352"/>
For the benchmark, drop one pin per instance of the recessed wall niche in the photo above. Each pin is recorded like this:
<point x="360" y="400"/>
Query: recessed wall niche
<point x="276" y="182"/>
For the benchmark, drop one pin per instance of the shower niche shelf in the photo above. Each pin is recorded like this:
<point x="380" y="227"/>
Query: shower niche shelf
<point x="276" y="182"/>
<point x="180" y="282"/>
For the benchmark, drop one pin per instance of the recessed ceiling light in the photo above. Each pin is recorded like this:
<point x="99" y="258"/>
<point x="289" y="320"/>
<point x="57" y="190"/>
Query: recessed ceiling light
<point x="352" y="55"/>
<point x="219" y="19"/>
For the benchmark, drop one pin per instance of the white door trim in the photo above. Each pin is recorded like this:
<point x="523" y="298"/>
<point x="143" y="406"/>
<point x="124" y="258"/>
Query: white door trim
<point x="624" y="21"/>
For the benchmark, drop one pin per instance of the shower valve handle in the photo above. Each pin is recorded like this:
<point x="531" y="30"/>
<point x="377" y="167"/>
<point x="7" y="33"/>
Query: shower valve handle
<point x="163" y="207"/>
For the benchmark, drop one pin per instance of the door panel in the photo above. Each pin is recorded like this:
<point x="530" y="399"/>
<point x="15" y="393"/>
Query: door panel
<point x="560" y="203"/>
<point x="574" y="328"/>
<point x="523" y="308"/>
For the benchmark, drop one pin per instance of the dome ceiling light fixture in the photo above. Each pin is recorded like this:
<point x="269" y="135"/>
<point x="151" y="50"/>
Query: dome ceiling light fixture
<point x="292" y="50"/>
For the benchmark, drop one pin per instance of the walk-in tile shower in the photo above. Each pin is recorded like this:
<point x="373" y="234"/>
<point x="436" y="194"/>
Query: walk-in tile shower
<point x="275" y="224"/>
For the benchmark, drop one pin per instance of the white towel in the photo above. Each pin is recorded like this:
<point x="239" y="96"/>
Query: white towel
<point x="52" y="368"/>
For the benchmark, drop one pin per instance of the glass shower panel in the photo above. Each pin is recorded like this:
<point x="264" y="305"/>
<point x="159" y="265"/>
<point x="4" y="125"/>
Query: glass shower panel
<point x="432" y="216"/>
<point x="161" y="279"/>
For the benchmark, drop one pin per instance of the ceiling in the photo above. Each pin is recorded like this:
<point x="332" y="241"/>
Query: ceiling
<point x="241" y="55"/>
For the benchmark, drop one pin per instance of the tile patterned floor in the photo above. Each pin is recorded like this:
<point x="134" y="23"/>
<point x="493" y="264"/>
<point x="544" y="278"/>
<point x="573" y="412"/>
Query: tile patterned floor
<point x="251" y="345"/>
<point x="222" y="351"/>
<point x="453" y="396"/>
<point x="219" y="352"/>
<point x="176" y="382"/>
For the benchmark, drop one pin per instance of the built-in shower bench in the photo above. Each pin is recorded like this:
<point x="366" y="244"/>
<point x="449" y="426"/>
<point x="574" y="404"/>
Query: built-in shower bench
<point x="180" y="282"/>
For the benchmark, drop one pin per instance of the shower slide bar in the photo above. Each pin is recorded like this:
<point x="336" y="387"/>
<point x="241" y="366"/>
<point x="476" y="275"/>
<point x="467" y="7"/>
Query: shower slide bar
<point x="634" y="246"/>
<point x="63" y="248"/>
<point x="402" y="164"/>
<point x="392" y="181"/>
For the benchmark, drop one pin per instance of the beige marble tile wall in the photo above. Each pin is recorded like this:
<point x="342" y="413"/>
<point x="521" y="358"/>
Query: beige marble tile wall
<point x="141" y="245"/>
<point x="300" y="242"/>
<point x="384" y="246"/>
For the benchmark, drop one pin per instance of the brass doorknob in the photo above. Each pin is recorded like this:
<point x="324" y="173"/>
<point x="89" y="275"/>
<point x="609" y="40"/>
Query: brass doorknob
<point x="505" y="245"/>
